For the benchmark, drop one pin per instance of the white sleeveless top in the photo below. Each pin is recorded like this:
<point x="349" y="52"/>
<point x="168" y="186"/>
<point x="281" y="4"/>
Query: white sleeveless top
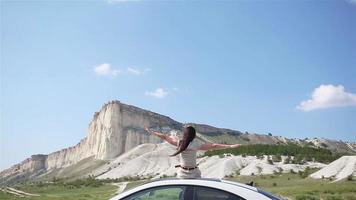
<point x="188" y="157"/>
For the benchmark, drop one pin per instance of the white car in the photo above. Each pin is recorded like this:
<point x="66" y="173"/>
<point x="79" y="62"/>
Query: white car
<point x="195" y="189"/>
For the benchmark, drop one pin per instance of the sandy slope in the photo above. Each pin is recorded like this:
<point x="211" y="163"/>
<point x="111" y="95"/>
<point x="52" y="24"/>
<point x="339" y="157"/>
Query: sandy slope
<point x="121" y="186"/>
<point x="339" y="169"/>
<point x="143" y="160"/>
<point x="216" y="167"/>
<point x="16" y="192"/>
<point x="153" y="160"/>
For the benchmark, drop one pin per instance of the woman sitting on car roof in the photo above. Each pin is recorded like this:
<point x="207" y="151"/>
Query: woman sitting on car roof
<point x="187" y="149"/>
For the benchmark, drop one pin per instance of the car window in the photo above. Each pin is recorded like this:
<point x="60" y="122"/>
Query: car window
<point x="159" y="193"/>
<point x="206" y="193"/>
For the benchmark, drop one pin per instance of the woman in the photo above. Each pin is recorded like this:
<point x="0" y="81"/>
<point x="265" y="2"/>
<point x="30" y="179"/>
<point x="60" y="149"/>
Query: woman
<point x="187" y="149"/>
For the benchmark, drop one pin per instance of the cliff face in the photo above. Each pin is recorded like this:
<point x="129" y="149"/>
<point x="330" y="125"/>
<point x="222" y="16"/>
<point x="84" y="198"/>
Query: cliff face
<point x="120" y="127"/>
<point x="116" y="128"/>
<point x="35" y="163"/>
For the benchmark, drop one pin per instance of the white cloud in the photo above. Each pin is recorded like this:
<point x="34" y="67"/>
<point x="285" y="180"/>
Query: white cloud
<point x="328" y="96"/>
<point x="158" y="93"/>
<point x="106" y="69"/>
<point x="352" y="1"/>
<point x="134" y="71"/>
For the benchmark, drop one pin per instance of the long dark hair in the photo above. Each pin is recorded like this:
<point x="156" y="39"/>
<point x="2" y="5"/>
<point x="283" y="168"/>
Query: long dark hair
<point x="188" y="136"/>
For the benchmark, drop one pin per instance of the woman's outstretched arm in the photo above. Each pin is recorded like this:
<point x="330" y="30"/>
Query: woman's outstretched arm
<point x="214" y="146"/>
<point x="171" y="140"/>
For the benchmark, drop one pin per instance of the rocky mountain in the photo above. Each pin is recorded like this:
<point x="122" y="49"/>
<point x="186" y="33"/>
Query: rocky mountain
<point x="118" y="128"/>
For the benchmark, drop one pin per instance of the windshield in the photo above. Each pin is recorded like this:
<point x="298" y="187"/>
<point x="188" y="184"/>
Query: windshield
<point x="267" y="194"/>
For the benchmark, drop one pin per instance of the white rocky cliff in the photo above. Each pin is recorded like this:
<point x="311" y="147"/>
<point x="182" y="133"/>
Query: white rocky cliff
<point x="115" y="129"/>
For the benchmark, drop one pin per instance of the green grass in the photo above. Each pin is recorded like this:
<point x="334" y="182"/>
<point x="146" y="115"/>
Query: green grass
<point x="298" y="188"/>
<point x="134" y="184"/>
<point x="60" y="192"/>
<point x="292" y="186"/>
<point x="78" y="170"/>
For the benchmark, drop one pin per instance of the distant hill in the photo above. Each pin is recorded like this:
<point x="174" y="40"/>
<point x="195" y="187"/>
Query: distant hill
<point x="117" y="128"/>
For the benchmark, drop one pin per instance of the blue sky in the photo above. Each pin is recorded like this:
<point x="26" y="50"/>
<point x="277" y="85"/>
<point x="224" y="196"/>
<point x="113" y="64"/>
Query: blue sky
<point x="246" y="65"/>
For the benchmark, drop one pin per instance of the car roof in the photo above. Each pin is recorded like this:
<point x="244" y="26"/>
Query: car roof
<point x="215" y="183"/>
<point x="206" y="179"/>
<point x="189" y="179"/>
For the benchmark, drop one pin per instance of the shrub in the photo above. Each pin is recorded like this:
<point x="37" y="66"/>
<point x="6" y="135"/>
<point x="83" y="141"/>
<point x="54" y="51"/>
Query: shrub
<point x="305" y="173"/>
<point x="87" y="182"/>
<point x="334" y="197"/>
<point x="331" y="178"/>
<point x="349" y="178"/>
<point x="164" y="176"/>
<point x="306" y="197"/>
<point x="276" y="158"/>
<point x="324" y="145"/>
<point x="350" y="197"/>
<point x="229" y="176"/>
<point x="287" y="160"/>
<point x="300" y="153"/>
<point x="237" y="173"/>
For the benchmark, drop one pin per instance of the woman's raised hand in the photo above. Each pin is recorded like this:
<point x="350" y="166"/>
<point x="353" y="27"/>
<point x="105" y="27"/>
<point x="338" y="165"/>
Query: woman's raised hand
<point x="158" y="134"/>
<point x="148" y="130"/>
